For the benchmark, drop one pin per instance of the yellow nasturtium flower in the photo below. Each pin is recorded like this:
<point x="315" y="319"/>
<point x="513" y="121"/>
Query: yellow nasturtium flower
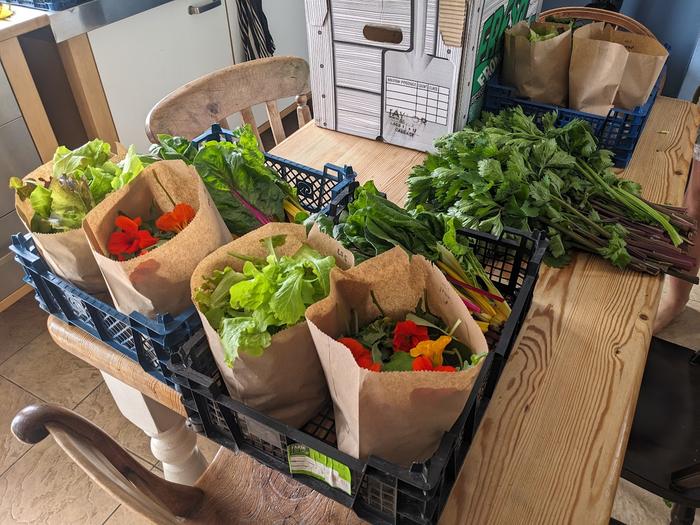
<point x="432" y="349"/>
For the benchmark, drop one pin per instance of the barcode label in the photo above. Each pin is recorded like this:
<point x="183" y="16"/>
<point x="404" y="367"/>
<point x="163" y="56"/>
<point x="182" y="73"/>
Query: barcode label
<point x="261" y="432"/>
<point x="305" y="460"/>
<point x="420" y="100"/>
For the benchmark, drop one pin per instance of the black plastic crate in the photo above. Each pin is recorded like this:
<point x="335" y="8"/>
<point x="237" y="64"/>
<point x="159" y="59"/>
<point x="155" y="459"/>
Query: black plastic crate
<point x="48" y="5"/>
<point x="618" y="131"/>
<point x="151" y="341"/>
<point x="381" y="492"/>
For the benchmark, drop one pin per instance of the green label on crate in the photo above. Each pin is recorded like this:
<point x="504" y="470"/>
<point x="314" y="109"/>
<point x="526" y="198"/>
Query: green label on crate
<point x="305" y="460"/>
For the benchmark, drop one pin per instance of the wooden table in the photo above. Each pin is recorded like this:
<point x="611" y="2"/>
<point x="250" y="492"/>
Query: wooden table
<point x="551" y="444"/>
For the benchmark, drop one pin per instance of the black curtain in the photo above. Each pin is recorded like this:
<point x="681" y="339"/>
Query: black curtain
<point x="257" y="40"/>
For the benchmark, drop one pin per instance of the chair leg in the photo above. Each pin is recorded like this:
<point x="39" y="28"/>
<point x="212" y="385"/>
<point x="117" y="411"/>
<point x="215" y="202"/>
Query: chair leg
<point x="682" y="515"/>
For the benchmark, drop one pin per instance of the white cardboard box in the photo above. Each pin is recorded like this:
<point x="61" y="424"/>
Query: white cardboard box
<point x="405" y="71"/>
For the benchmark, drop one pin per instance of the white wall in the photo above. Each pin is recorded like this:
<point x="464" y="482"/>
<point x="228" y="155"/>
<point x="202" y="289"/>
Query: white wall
<point x="287" y="24"/>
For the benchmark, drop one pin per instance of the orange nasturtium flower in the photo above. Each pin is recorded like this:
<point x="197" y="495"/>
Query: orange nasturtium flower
<point x="432" y="349"/>
<point x="129" y="238"/>
<point x="362" y="355"/>
<point x="176" y="220"/>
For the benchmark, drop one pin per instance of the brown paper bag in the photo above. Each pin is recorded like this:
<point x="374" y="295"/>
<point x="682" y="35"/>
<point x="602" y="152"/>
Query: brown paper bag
<point x="157" y="282"/>
<point x="596" y="69"/>
<point x="645" y="60"/>
<point x="398" y="416"/>
<point x="538" y="70"/>
<point x="286" y="382"/>
<point x="67" y="253"/>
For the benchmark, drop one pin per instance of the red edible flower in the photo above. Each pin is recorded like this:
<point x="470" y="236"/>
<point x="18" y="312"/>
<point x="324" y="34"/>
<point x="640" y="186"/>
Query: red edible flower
<point x="176" y="220"/>
<point x="130" y="239"/>
<point x="422" y="363"/>
<point x="362" y="355"/>
<point x="445" y="368"/>
<point x="407" y="335"/>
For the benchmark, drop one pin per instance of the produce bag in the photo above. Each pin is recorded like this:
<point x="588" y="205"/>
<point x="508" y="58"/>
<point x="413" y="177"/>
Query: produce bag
<point x="645" y="60"/>
<point x="398" y="416"/>
<point x="158" y="281"/>
<point x="536" y="61"/>
<point x="67" y="253"/>
<point x="596" y="69"/>
<point x="286" y="381"/>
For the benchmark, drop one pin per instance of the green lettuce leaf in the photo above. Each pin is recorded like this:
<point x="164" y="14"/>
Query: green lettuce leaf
<point x="269" y="295"/>
<point x="40" y="199"/>
<point x="243" y="334"/>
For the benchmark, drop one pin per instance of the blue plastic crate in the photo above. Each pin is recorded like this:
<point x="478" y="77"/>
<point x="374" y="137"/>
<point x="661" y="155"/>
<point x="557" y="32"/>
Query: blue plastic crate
<point x="328" y="191"/>
<point x="619" y="131"/>
<point x="48" y="5"/>
<point x="148" y="341"/>
<point x="152" y="341"/>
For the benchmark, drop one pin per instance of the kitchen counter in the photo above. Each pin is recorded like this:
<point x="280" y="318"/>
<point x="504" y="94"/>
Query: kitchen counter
<point x="94" y="14"/>
<point x="23" y="21"/>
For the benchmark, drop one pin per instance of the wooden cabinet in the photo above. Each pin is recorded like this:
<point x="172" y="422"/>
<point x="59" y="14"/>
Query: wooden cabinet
<point x="143" y="58"/>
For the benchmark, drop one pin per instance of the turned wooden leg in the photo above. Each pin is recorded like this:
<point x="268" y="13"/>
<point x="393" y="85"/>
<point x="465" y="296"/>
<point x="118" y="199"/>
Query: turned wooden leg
<point x="171" y="442"/>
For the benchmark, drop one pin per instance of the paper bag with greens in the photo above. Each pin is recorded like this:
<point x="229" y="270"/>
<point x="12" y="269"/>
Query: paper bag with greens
<point x="246" y="191"/>
<point x="53" y="200"/>
<point x="398" y="405"/>
<point x="151" y="276"/>
<point x="536" y="61"/>
<point x="251" y="295"/>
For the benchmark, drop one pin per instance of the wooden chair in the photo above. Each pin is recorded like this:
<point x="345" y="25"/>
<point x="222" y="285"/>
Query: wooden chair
<point x="192" y="108"/>
<point x="233" y="489"/>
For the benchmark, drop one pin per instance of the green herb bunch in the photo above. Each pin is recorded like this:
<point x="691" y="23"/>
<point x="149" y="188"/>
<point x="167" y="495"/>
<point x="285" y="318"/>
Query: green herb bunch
<point x="505" y="171"/>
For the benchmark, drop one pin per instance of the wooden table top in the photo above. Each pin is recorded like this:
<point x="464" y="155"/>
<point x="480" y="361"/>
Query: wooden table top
<point x="551" y="444"/>
<point x="23" y="21"/>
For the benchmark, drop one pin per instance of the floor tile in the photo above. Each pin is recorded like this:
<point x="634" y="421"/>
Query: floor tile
<point x="45" y="486"/>
<point x="13" y="400"/>
<point x="51" y="373"/>
<point x="19" y="324"/>
<point x="684" y="329"/>
<point x="100" y="409"/>
<point x="125" y="516"/>
<point x="636" y="506"/>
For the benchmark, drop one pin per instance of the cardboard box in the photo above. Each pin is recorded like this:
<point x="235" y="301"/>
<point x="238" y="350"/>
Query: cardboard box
<point x="405" y="71"/>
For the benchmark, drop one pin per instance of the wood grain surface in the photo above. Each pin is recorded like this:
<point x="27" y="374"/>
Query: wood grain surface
<point x="86" y="85"/>
<point x="28" y="99"/>
<point x="551" y="444"/>
<point x="23" y="21"/>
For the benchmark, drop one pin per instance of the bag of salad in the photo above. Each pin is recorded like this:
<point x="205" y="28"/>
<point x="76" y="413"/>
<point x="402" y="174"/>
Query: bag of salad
<point x="400" y="353"/>
<point x="149" y="236"/>
<point x="251" y="295"/>
<point x="52" y="202"/>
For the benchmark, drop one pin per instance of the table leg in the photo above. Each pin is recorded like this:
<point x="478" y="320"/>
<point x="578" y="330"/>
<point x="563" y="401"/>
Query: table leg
<point x="171" y="442"/>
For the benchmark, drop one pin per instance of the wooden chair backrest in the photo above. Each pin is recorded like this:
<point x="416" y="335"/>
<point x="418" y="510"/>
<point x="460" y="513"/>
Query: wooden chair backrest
<point x="192" y="108"/>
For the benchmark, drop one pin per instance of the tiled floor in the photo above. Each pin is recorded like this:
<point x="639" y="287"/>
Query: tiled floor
<point x="39" y="484"/>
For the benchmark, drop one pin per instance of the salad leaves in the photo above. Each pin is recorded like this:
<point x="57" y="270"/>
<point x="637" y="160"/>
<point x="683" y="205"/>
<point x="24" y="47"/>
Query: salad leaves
<point x="247" y="308"/>
<point x="81" y="179"/>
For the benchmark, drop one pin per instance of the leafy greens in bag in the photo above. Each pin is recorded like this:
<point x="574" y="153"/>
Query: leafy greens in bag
<point x="246" y="191"/>
<point x="81" y="178"/>
<point x="247" y="308"/>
